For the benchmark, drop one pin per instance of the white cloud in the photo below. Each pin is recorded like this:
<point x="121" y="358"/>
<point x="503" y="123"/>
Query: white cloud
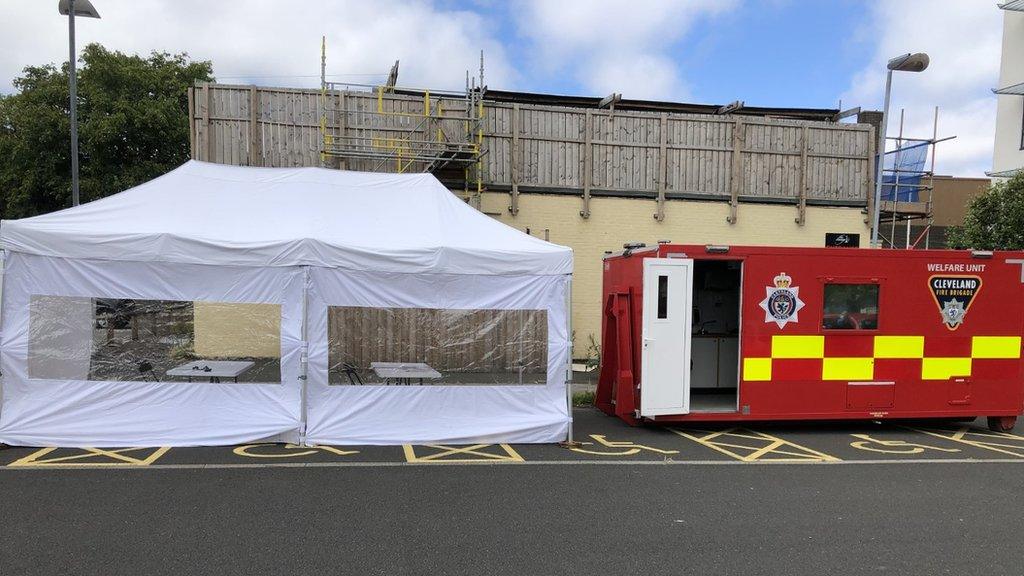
<point x="269" y="42"/>
<point x="612" y="46"/>
<point x="602" y="45"/>
<point x="963" y="39"/>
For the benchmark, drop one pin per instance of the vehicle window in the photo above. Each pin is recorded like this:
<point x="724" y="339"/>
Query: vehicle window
<point x="850" y="307"/>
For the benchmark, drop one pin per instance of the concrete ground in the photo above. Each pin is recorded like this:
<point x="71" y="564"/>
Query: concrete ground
<point x="811" y="498"/>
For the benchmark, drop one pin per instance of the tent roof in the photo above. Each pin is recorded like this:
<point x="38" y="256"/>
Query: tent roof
<point x="228" y="215"/>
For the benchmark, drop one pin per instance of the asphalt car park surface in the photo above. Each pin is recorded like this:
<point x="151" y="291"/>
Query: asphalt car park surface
<point x="601" y="439"/>
<point x="807" y="498"/>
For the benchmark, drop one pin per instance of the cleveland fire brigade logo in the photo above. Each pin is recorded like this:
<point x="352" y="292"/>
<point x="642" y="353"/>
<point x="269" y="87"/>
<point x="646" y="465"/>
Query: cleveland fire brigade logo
<point x="782" y="301"/>
<point x="953" y="295"/>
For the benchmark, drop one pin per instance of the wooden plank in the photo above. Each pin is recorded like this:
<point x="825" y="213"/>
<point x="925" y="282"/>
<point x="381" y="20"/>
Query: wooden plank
<point x="872" y="167"/>
<point x="736" y="176"/>
<point x="191" y="123"/>
<point x="802" y="194"/>
<point x="209" y="133"/>
<point x="255" y="158"/>
<point x="659" y="215"/>
<point x="588" y="162"/>
<point x="342" y="113"/>
<point x="515" y="160"/>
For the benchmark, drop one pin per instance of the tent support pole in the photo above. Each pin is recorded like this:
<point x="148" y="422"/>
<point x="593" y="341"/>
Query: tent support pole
<point x="3" y="276"/>
<point x="304" y="362"/>
<point x="568" y="368"/>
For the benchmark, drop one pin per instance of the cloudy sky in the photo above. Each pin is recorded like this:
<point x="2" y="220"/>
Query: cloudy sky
<point x="765" y="52"/>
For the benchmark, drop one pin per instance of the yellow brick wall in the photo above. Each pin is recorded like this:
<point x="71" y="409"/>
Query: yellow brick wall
<point x="614" y="221"/>
<point x="231" y="330"/>
<point x="226" y="330"/>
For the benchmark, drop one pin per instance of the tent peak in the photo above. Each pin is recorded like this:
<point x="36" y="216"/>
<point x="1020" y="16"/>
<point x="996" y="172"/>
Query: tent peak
<point x="205" y="213"/>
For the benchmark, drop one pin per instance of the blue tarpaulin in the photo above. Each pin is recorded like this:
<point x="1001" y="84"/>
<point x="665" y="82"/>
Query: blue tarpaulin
<point x="907" y="163"/>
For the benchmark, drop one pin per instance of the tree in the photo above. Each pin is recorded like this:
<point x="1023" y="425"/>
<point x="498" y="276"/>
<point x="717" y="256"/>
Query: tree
<point x="994" y="220"/>
<point x="133" y="126"/>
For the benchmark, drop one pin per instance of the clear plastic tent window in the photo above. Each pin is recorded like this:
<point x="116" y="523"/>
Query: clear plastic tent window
<point x="119" y="339"/>
<point x="437" y="346"/>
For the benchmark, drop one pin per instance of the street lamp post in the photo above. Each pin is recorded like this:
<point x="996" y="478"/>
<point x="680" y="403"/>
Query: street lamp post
<point x="72" y="8"/>
<point x="905" y="63"/>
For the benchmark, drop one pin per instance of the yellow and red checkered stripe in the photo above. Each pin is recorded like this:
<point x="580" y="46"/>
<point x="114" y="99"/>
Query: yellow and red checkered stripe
<point x="863" y="367"/>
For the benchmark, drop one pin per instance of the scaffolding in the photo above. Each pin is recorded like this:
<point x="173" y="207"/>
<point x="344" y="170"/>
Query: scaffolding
<point x="908" y="186"/>
<point x="384" y="128"/>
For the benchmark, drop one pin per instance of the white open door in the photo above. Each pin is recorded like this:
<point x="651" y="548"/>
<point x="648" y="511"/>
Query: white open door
<point x="665" y="358"/>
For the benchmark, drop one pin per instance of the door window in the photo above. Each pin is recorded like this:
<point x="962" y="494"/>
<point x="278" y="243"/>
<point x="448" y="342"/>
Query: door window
<point x="662" y="297"/>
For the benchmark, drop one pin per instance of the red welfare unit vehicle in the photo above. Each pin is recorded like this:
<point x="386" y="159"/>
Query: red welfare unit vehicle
<point x="730" y="333"/>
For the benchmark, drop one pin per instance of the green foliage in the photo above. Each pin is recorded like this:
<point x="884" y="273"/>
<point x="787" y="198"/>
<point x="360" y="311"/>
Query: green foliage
<point x="580" y="399"/>
<point x="132" y="127"/>
<point x="994" y="220"/>
<point x="593" y="353"/>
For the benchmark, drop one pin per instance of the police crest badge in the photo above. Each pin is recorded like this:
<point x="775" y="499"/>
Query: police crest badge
<point x="954" y="295"/>
<point x="782" y="301"/>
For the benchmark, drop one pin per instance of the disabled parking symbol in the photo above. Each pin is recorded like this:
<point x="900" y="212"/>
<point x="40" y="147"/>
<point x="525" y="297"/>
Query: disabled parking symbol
<point x="287" y="450"/>
<point x="620" y="448"/>
<point x="866" y="442"/>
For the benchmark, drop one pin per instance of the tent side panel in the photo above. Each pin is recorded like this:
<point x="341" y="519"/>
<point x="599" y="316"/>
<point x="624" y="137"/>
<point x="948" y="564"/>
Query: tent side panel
<point x="498" y="347"/>
<point x="121" y="381"/>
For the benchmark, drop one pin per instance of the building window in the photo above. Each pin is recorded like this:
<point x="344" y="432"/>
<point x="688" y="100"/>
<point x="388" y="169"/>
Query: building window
<point x="850" y="307"/>
<point x="1022" y="125"/>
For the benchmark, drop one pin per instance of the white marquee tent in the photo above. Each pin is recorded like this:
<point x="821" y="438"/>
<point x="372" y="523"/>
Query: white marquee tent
<point x="213" y="271"/>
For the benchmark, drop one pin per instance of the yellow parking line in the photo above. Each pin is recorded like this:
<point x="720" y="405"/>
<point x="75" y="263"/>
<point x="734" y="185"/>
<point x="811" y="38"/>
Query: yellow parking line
<point x="774" y="450"/>
<point x="961" y="436"/>
<point x="442" y="456"/>
<point x="119" y="456"/>
<point x="772" y="446"/>
<point x="765" y="450"/>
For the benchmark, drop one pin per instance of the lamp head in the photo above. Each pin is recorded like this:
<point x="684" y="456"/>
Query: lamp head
<point x="83" y="8"/>
<point x="909" y="62"/>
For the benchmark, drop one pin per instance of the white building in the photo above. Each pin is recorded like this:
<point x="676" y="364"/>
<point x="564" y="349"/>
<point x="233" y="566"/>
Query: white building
<point x="1009" y="143"/>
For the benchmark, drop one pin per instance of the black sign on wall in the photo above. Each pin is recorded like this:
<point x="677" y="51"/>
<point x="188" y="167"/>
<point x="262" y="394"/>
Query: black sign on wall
<point x="841" y="240"/>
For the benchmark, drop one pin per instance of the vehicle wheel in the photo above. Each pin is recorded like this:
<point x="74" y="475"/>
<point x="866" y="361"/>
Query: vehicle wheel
<point x="1001" y="423"/>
